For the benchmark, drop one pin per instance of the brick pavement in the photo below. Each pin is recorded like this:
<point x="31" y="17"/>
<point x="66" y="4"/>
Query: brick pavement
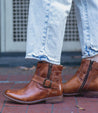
<point x="17" y="78"/>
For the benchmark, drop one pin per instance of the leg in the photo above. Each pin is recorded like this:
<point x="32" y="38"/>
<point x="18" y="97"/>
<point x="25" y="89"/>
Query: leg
<point x="46" y="30"/>
<point x="46" y="27"/>
<point x="86" y="13"/>
<point x="85" y="81"/>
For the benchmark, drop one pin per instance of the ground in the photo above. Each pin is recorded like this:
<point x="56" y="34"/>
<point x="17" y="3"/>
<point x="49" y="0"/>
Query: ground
<point x="17" y="77"/>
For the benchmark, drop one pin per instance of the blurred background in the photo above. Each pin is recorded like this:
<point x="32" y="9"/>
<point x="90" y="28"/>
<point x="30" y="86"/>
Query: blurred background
<point x="13" y="35"/>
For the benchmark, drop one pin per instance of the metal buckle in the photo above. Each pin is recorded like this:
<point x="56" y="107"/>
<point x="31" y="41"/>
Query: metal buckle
<point x="45" y="82"/>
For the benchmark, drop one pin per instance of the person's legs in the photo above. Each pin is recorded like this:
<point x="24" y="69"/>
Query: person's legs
<point x="86" y="13"/>
<point x="85" y="81"/>
<point x="46" y="27"/>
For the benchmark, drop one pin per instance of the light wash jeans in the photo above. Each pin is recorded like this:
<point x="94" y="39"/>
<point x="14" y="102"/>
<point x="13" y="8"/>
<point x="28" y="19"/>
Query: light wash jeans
<point x="46" y="27"/>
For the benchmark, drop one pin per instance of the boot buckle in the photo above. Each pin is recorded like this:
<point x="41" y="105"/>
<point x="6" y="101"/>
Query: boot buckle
<point x="47" y="81"/>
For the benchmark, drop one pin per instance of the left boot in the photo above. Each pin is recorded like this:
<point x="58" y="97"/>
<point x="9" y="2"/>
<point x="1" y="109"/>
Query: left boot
<point x="84" y="82"/>
<point x="46" y="85"/>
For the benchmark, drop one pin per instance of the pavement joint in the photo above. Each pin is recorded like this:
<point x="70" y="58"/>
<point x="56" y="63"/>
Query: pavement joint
<point x="76" y="104"/>
<point x="16" y="82"/>
<point x="52" y="108"/>
<point x="27" y="108"/>
<point x="3" y="106"/>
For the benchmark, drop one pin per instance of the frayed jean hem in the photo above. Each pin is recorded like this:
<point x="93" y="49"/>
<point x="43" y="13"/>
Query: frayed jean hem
<point x="42" y="58"/>
<point x="88" y="56"/>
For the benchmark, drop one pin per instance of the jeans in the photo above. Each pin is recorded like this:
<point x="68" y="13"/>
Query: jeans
<point x="46" y="27"/>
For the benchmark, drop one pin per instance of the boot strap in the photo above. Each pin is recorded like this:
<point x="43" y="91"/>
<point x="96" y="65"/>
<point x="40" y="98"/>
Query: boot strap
<point x="45" y="82"/>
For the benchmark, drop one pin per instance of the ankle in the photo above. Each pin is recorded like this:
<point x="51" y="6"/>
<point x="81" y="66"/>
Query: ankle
<point x="94" y="58"/>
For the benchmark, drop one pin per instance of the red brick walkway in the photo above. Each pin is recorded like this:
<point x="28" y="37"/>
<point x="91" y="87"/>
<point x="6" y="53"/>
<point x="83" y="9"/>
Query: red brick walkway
<point x="17" y="78"/>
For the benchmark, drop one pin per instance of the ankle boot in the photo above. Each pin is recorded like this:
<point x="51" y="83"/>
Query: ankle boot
<point x="85" y="81"/>
<point x="46" y="85"/>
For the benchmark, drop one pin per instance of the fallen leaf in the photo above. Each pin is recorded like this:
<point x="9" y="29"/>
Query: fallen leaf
<point x="64" y="67"/>
<point x="26" y="68"/>
<point x="80" y="107"/>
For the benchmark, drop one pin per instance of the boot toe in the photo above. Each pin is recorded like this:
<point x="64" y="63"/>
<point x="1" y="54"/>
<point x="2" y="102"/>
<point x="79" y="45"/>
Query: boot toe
<point x="10" y="93"/>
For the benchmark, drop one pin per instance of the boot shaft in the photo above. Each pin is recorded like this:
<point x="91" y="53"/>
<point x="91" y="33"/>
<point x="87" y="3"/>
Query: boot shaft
<point x="49" y="71"/>
<point x="88" y="75"/>
<point x="87" y="67"/>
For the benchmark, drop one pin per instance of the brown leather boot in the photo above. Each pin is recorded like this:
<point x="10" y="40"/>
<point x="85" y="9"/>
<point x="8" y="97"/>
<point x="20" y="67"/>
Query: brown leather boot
<point x="85" y="81"/>
<point x="46" y="85"/>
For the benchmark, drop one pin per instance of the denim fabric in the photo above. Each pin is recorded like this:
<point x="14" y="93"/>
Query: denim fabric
<point x="46" y="26"/>
<point x="87" y="19"/>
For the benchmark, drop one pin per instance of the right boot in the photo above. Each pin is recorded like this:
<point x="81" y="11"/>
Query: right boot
<point x="46" y="85"/>
<point x="84" y="82"/>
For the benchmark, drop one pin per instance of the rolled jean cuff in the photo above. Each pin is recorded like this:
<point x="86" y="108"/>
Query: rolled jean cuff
<point x="42" y="58"/>
<point x="90" y="55"/>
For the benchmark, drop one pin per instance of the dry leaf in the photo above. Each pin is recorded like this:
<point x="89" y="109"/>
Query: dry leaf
<point x="64" y="67"/>
<point x="32" y="68"/>
<point x="80" y="107"/>
<point x="26" y="68"/>
<point x="23" y="68"/>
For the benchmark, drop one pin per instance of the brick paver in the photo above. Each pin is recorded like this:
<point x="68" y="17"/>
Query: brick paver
<point x="18" y="78"/>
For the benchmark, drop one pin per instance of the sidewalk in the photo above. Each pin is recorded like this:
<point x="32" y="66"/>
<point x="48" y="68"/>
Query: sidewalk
<point x="18" y="77"/>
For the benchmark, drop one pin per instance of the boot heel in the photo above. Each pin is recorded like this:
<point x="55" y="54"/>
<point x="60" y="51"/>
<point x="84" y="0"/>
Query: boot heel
<point x="55" y="99"/>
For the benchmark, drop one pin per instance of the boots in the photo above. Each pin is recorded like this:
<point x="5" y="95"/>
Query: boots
<point x="44" y="86"/>
<point x="85" y="81"/>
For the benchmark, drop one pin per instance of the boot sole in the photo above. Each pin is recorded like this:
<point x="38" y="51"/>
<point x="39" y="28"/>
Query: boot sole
<point x="91" y="94"/>
<point x="52" y="100"/>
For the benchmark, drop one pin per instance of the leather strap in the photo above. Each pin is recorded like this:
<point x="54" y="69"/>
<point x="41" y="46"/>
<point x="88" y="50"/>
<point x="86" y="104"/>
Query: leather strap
<point x="45" y="82"/>
<point x="87" y="75"/>
<point x="49" y="70"/>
